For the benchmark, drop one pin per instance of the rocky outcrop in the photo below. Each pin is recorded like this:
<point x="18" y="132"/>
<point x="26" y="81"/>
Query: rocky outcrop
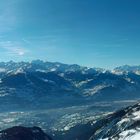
<point x="23" y="133"/>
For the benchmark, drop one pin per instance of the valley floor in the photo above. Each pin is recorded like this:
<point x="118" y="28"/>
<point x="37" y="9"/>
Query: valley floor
<point x="59" y="122"/>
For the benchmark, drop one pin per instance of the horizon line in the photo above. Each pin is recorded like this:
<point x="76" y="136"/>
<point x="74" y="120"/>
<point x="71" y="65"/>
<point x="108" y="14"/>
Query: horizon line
<point x="44" y="61"/>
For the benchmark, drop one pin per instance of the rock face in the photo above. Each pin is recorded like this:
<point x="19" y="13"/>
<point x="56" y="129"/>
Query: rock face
<point x="23" y="133"/>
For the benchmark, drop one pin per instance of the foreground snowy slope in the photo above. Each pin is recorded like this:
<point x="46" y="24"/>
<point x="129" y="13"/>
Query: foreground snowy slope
<point x="136" y="137"/>
<point x="121" y="125"/>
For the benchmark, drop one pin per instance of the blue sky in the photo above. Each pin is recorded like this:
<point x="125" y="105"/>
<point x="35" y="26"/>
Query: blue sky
<point x="95" y="33"/>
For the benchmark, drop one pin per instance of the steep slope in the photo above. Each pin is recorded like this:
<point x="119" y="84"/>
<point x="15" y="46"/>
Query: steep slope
<point x="121" y="125"/>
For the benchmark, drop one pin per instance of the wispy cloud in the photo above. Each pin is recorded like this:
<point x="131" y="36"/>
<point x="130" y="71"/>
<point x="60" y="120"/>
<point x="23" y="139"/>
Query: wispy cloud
<point x="13" y="48"/>
<point x="15" y="51"/>
<point x="27" y="41"/>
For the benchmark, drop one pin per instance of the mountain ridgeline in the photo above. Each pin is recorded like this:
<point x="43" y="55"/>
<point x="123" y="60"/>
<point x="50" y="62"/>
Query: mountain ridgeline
<point x="47" y="83"/>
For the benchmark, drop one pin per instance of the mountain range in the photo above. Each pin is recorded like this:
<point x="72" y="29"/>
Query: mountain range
<point x="51" y="83"/>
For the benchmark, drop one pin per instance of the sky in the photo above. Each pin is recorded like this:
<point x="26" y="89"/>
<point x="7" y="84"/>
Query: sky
<point x="94" y="33"/>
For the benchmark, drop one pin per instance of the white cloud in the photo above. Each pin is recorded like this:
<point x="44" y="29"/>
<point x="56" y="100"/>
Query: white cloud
<point x="21" y="53"/>
<point x="13" y="48"/>
<point x="16" y="50"/>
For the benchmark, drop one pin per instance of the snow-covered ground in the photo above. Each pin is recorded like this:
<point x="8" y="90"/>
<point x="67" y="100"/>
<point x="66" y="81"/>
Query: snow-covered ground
<point x="136" y="137"/>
